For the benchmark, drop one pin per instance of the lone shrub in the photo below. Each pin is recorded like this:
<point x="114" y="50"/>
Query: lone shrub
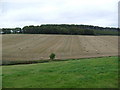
<point x="52" y="56"/>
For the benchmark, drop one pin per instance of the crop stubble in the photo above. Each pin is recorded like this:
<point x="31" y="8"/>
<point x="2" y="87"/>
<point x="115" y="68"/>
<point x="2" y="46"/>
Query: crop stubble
<point x="37" y="46"/>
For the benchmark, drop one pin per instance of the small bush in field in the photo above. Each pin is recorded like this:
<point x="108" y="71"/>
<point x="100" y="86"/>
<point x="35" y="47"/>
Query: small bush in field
<point x="52" y="56"/>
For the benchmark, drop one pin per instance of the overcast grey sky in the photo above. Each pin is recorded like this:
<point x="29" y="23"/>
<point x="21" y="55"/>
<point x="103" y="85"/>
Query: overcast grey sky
<point x="19" y="13"/>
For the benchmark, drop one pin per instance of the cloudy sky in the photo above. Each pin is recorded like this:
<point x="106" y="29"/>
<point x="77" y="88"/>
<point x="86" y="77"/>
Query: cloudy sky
<point x="19" y="13"/>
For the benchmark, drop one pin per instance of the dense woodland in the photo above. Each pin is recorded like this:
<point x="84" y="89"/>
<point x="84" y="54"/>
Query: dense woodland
<point x="62" y="29"/>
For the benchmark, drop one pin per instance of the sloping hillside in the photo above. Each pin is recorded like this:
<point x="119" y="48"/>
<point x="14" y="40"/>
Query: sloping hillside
<point x="38" y="47"/>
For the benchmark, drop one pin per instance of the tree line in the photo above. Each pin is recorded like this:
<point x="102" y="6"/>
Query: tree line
<point x="62" y="29"/>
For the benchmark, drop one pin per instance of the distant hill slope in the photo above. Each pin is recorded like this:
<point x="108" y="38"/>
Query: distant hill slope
<point x="38" y="46"/>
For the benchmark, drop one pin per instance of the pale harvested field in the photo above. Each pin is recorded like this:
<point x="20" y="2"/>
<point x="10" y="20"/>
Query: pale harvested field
<point x="37" y="46"/>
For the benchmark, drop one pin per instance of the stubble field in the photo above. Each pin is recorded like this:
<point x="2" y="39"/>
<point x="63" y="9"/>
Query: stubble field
<point x="39" y="47"/>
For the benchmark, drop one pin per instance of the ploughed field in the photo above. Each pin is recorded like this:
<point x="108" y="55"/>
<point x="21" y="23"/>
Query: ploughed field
<point x="39" y="47"/>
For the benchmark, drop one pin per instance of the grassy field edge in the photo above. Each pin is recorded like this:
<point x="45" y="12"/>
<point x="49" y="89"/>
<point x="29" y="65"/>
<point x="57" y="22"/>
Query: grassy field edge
<point x="10" y="62"/>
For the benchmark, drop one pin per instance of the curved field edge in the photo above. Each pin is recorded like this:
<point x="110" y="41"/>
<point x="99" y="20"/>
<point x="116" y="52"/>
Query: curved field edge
<point x="18" y="62"/>
<point x="87" y="73"/>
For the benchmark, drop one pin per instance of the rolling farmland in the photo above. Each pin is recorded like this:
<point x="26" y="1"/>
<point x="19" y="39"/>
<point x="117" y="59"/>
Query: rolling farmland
<point x="39" y="47"/>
